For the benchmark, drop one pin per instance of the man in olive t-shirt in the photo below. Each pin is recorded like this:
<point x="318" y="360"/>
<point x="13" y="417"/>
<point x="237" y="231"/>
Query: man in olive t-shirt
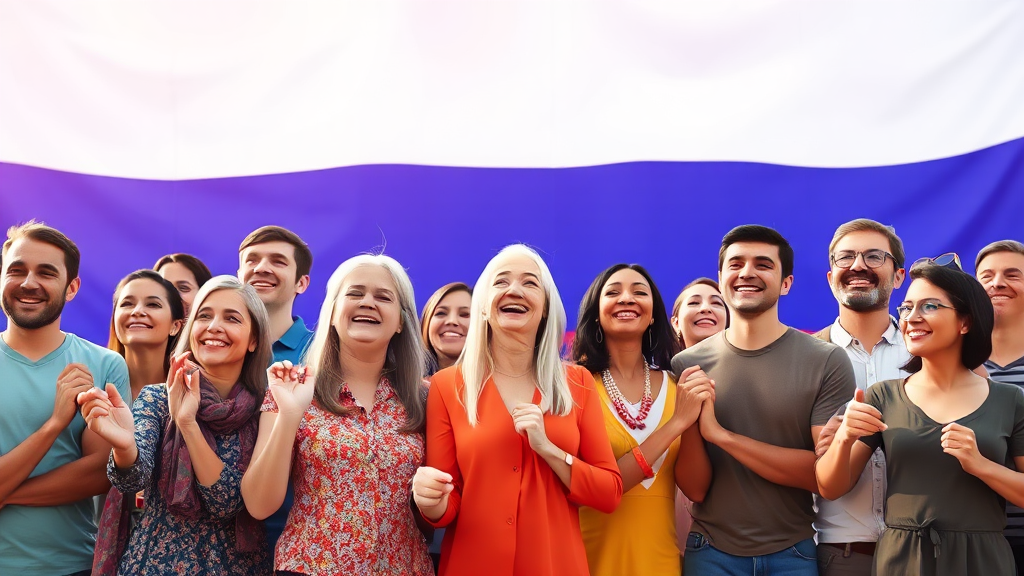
<point x="776" y="387"/>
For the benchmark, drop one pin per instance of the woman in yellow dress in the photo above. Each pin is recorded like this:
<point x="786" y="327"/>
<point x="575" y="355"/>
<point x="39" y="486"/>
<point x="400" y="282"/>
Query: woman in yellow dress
<point x="623" y="336"/>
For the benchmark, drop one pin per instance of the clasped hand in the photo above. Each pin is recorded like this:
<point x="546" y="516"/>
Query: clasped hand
<point x="694" y="390"/>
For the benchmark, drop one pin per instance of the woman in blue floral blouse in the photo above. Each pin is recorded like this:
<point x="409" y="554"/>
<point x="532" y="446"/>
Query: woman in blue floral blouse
<point x="187" y="444"/>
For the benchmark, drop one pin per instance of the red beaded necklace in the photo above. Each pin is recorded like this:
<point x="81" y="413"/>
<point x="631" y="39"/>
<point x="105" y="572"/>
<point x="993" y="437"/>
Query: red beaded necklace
<point x="619" y="401"/>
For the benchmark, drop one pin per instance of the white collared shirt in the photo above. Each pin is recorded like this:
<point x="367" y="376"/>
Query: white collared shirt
<point x="859" y="516"/>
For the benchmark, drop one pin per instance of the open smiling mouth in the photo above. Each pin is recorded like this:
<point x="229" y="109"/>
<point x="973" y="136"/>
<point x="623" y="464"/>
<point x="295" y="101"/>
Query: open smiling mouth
<point x="513" y="309"/>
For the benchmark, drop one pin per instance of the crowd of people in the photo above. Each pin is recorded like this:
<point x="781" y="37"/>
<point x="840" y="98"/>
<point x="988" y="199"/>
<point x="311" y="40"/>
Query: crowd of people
<point x="217" y="434"/>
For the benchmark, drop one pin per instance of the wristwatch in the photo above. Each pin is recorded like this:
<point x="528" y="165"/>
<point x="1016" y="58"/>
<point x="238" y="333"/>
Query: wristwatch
<point x="568" y="459"/>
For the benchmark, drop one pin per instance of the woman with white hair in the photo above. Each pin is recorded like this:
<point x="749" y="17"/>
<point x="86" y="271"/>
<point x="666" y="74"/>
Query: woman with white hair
<point x="347" y="430"/>
<point x="515" y="438"/>
<point x="187" y="444"/>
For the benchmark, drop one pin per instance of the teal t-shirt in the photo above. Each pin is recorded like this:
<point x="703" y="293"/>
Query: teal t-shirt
<point x="49" y="540"/>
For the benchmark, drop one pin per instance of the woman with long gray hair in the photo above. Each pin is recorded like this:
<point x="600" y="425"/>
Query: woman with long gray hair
<point x="187" y="443"/>
<point x="347" y="430"/>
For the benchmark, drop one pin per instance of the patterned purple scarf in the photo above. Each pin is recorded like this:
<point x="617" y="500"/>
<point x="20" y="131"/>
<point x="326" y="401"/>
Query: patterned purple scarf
<point x="238" y="413"/>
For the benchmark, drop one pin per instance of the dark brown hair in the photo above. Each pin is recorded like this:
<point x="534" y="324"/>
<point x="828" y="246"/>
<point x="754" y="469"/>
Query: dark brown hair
<point x="194" y="265"/>
<point x="42" y="233"/>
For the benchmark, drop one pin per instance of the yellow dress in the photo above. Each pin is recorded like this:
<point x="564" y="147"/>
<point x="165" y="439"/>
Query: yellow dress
<point x="639" y="537"/>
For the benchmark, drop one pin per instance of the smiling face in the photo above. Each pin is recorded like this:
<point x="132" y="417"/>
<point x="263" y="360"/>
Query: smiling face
<point x="270" y="268"/>
<point x="751" y="278"/>
<point x="34" y="284"/>
<point x="938" y="332"/>
<point x="1002" y="276"/>
<point x="448" y="325"/>
<point x="625" y="308"/>
<point x="367" y="310"/>
<point x="517" y="299"/>
<point x="702" y="314"/>
<point x="183" y="279"/>
<point x="142" y="315"/>
<point x="222" y="332"/>
<point x="860" y="288"/>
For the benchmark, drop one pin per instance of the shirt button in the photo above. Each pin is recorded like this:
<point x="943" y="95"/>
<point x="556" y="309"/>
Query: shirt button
<point x="509" y="520"/>
<point x="515" y="468"/>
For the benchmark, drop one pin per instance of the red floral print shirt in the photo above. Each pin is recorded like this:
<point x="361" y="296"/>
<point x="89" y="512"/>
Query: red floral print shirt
<point x="352" y="477"/>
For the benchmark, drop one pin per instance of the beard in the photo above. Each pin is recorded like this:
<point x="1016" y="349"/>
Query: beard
<point x="48" y="315"/>
<point x="860" y="299"/>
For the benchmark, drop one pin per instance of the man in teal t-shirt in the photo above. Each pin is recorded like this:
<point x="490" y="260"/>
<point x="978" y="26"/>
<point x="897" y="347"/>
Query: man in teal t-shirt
<point x="50" y="464"/>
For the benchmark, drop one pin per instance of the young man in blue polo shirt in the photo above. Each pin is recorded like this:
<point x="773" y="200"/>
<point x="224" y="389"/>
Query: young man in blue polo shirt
<point x="50" y="463"/>
<point x="276" y="262"/>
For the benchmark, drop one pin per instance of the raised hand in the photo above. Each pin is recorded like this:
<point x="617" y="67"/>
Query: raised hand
<point x="960" y="442"/>
<point x="528" y="419"/>
<point x="73" y="380"/>
<point x="693" y="389"/>
<point x="109" y="416"/>
<point x="860" y="420"/>
<point x="430" y="490"/>
<point x="292" y="387"/>
<point x="183" y="394"/>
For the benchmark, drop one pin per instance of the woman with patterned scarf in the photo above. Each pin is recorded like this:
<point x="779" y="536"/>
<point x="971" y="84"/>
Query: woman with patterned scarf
<point x="187" y="444"/>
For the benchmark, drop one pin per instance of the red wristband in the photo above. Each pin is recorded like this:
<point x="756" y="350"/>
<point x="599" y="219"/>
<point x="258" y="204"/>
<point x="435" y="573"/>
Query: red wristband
<point x="644" y="466"/>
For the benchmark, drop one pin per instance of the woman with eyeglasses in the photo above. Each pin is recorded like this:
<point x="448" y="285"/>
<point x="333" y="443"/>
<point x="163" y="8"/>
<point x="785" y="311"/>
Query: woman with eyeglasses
<point x="622" y="324"/>
<point x="952" y="440"/>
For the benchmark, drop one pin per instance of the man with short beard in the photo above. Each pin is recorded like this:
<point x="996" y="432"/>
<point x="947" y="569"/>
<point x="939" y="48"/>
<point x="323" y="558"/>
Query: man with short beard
<point x="1000" y="269"/>
<point x="775" y="387"/>
<point x="866" y="260"/>
<point x="50" y="463"/>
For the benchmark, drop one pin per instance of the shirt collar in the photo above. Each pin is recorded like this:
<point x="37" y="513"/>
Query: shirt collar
<point x="840" y="337"/>
<point x="296" y="335"/>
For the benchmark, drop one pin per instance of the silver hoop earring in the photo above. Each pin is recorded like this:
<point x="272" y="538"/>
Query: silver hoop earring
<point x="600" y="334"/>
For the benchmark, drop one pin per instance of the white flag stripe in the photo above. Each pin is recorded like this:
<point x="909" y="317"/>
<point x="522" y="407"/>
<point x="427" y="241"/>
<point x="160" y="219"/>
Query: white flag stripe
<point x="175" y="89"/>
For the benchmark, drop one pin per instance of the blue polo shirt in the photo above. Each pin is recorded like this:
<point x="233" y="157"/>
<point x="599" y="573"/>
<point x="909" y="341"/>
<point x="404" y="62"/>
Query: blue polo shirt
<point x="293" y="343"/>
<point x="290" y="347"/>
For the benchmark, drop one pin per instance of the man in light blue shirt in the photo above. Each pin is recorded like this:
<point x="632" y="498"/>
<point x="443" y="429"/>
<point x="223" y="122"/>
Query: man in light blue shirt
<point x="50" y="463"/>
<point x="276" y="262"/>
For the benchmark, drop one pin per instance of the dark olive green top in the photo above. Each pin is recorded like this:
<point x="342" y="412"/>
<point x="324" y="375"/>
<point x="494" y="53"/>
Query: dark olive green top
<point x="939" y="519"/>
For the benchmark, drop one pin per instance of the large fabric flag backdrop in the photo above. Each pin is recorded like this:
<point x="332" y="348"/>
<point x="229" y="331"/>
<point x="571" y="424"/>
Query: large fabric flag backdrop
<point x="440" y="131"/>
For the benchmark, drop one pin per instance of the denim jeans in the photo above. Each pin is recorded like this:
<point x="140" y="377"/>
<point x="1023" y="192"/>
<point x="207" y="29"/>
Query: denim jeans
<point x="702" y="559"/>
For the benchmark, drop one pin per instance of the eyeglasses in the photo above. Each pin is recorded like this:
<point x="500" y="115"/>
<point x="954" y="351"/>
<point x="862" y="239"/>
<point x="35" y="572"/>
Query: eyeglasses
<point x="872" y="258"/>
<point x="926" y="308"/>
<point x="948" y="260"/>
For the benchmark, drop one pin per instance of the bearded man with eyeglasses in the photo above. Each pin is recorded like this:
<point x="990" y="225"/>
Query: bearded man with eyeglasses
<point x="866" y="264"/>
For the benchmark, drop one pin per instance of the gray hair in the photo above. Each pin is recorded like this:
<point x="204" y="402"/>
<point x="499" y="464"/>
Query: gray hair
<point x="405" y="361"/>
<point x="254" y="368"/>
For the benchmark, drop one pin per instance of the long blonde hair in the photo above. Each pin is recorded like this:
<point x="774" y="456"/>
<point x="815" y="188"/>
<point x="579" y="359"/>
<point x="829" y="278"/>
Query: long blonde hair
<point x="404" y="363"/>
<point x="476" y="363"/>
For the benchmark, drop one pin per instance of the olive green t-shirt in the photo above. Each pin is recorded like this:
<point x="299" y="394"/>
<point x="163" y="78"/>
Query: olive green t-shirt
<point x="773" y="395"/>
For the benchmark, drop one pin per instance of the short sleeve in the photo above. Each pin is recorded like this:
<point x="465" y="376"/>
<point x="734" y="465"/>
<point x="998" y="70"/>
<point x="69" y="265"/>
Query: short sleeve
<point x="269" y="404"/>
<point x="117" y="374"/>
<point x="838" y="384"/>
<point x="1017" y="437"/>
<point x="875" y="397"/>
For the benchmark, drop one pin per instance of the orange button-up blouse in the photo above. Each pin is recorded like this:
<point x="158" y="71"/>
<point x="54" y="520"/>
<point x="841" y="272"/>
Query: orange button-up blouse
<point x="509" y="513"/>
